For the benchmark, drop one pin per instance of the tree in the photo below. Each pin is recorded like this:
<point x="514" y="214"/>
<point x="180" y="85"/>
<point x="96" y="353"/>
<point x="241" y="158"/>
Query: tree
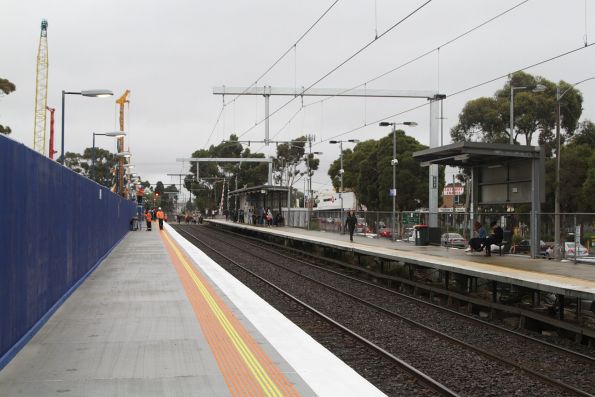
<point x="170" y="196"/>
<point x="585" y="135"/>
<point x="577" y="172"/>
<point x="289" y="157"/>
<point x="105" y="165"/>
<point x="6" y="87"/>
<point x="487" y="119"/>
<point x="211" y="174"/>
<point x="368" y="172"/>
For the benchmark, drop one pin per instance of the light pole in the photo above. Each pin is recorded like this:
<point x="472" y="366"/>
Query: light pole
<point x="341" y="172"/>
<point x="310" y="194"/>
<point x="88" y="93"/>
<point x="536" y="88"/>
<point x="393" y="163"/>
<point x="557" y="248"/>
<point x="116" y="134"/>
<point x="124" y="155"/>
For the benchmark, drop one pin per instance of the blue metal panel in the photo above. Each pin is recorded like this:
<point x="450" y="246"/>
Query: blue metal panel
<point x="55" y="225"/>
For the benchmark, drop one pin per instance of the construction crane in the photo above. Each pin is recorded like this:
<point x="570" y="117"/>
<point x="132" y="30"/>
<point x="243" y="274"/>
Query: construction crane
<point x="41" y="90"/>
<point x="120" y="182"/>
<point x="52" y="151"/>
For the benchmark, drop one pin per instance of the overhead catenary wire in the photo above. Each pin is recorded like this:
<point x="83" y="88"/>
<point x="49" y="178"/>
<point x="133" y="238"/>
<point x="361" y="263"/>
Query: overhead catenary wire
<point x="435" y="49"/>
<point x="458" y="92"/>
<point x="215" y="126"/>
<point x="359" y="51"/>
<point x="425" y="54"/>
<point x="292" y="47"/>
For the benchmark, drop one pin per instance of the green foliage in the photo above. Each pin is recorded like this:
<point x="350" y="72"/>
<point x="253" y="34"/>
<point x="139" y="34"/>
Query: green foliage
<point x="289" y="158"/>
<point x="577" y="173"/>
<point x="211" y="175"/>
<point x="488" y="119"/>
<point x="516" y="238"/>
<point x="585" y="135"/>
<point x="168" y="200"/>
<point x="207" y="190"/>
<point x="368" y="172"/>
<point x="105" y="165"/>
<point x="6" y="87"/>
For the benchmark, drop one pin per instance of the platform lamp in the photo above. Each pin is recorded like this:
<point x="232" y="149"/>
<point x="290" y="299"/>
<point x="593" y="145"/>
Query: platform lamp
<point x="87" y="93"/>
<point x="393" y="163"/>
<point x="341" y="171"/>
<point x="115" y="134"/>
<point x="308" y="157"/>
<point x="124" y="155"/>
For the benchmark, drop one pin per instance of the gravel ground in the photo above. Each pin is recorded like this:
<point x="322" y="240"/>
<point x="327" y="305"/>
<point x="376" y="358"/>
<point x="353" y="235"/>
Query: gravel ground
<point x="459" y="368"/>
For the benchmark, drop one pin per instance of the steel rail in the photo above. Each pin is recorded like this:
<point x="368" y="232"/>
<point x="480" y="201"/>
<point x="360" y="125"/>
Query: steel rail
<point x="423" y="327"/>
<point x="425" y="379"/>
<point x="581" y="356"/>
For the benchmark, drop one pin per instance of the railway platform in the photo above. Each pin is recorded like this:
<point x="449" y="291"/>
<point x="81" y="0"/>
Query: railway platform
<point x="572" y="280"/>
<point x="159" y="318"/>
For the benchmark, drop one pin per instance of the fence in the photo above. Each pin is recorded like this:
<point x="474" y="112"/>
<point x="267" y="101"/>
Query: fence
<point x="579" y="226"/>
<point x="56" y="226"/>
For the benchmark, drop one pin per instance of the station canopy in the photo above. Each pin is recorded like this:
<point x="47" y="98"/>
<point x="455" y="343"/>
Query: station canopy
<point x="476" y="154"/>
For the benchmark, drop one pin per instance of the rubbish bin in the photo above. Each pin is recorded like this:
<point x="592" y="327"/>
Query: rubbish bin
<point x="422" y="235"/>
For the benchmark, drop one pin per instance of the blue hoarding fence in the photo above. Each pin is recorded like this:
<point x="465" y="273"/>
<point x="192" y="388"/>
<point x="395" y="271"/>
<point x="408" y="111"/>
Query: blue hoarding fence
<point x="56" y="225"/>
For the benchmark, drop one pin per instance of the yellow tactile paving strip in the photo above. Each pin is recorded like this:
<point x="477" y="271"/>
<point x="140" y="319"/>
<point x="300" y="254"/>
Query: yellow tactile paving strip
<point x="246" y="368"/>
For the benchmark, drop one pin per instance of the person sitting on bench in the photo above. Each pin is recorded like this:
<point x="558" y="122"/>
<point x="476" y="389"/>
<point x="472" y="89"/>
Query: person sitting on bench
<point x="480" y="235"/>
<point x="495" y="237"/>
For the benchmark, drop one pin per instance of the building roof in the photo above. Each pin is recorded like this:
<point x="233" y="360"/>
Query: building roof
<point x="258" y="189"/>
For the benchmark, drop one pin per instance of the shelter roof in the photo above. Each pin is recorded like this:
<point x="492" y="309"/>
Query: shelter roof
<point x="259" y="189"/>
<point x="465" y="154"/>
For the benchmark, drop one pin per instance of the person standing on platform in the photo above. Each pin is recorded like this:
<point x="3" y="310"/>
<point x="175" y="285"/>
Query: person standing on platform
<point x="351" y="221"/>
<point x="148" y="218"/>
<point x="160" y="217"/>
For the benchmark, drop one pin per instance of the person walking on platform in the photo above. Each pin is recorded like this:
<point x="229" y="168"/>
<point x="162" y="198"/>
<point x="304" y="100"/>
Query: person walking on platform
<point x="351" y="221"/>
<point x="160" y="217"/>
<point x="148" y="218"/>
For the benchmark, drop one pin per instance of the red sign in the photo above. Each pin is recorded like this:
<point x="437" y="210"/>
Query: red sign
<point x="450" y="191"/>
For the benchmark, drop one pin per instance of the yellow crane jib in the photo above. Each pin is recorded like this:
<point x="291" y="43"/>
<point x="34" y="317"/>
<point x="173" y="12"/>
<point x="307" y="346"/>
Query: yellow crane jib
<point x="120" y="182"/>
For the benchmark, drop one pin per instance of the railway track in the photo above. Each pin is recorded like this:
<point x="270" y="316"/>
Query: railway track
<point x="378" y="365"/>
<point x="459" y="358"/>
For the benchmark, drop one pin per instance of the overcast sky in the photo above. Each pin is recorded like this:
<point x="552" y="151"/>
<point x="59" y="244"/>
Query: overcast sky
<point x="171" y="54"/>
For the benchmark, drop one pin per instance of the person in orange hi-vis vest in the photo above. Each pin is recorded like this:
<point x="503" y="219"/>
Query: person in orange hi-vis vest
<point x="148" y="218"/>
<point x="160" y="217"/>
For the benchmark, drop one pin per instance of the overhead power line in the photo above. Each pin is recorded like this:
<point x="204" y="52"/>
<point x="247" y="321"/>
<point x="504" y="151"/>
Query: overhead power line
<point x="287" y="51"/>
<point x="448" y="96"/>
<point x="293" y="46"/>
<point x="437" y="48"/>
<point x="215" y="126"/>
<point x="417" y="58"/>
<point x="359" y="51"/>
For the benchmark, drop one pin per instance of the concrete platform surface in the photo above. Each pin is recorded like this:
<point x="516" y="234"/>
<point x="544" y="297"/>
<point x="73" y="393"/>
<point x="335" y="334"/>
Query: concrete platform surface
<point x="132" y="329"/>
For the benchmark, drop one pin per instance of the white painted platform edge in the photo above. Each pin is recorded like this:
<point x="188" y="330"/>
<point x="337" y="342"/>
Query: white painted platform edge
<point x="324" y="372"/>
